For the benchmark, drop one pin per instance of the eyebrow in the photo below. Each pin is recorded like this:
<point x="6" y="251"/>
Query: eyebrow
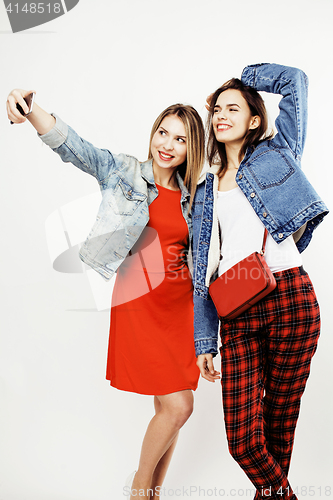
<point x="228" y="105"/>
<point x="165" y="130"/>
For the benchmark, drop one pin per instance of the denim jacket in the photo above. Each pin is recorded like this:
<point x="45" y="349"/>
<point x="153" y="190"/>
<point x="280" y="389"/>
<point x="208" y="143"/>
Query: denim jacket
<point x="271" y="178"/>
<point x="127" y="188"/>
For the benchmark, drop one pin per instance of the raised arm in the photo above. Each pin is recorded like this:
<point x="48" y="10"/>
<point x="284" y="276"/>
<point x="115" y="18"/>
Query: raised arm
<point x="62" y="139"/>
<point x="292" y="84"/>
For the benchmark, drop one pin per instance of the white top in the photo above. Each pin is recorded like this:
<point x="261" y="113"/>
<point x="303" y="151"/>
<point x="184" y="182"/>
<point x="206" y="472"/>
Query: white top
<point x="242" y="233"/>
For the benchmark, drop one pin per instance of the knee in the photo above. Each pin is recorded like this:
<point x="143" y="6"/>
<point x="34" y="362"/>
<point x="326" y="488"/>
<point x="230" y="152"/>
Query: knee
<point x="246" y="453"/>
<point x="180" y="413"/>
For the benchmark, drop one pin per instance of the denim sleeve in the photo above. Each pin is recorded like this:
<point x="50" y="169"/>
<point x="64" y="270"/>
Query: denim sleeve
<point x="206" y="324"/>
<point x="63" y="140"/>
<point x="292" y="84"/>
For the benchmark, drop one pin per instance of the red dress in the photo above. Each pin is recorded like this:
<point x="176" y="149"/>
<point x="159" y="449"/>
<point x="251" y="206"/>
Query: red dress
<point x="151" y="346"/>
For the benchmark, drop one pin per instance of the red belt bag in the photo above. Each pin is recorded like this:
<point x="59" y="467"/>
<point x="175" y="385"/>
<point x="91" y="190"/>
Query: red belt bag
<point x="242" y="285"/>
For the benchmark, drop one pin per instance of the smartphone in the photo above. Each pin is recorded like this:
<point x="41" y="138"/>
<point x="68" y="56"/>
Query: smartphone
<point x="30" y="102"/>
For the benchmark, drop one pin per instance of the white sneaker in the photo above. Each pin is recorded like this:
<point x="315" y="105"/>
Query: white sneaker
<point x="129" y="482"/>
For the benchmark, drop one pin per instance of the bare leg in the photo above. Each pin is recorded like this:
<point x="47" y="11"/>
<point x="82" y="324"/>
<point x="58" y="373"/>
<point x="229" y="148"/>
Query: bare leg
<point x="164" y="462"/>
<point x="172" y="411"/>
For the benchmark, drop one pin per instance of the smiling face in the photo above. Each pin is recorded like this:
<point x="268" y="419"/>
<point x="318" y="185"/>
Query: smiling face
<point x="232" y="118"/>
<point x="168" y="145"/>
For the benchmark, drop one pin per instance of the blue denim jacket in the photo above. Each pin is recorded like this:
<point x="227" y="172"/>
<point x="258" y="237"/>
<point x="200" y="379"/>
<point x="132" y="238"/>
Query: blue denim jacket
<point x="271" y="178"/>
<point x="127" y="188"/>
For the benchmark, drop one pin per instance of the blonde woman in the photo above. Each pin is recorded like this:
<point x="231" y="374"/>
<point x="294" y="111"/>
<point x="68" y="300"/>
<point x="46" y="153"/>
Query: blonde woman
<point x="142" y="232"/>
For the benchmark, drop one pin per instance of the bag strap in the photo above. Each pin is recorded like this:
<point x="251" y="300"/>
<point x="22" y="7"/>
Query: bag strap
<point x="263" y="248"/>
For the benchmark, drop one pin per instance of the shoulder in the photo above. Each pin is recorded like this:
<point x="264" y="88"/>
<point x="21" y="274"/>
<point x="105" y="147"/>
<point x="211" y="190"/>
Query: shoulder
<point x="131" y="164"/>
<point x="271" y="146"/>
<point x="126" y="160"/>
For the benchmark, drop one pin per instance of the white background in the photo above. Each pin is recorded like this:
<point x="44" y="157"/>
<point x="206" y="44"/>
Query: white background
<point x="108" y="68"/>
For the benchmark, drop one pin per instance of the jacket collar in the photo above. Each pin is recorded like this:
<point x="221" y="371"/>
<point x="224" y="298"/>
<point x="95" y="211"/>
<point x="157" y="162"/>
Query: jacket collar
<point x="147" y="171"/>
<point x="208" y="170"/>
<point x="183" y="188"/>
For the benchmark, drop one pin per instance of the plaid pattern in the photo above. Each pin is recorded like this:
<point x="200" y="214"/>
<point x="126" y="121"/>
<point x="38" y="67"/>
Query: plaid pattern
<point x="266" y="355"/>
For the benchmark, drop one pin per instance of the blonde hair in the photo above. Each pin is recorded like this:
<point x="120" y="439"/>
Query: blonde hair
<point x="195" y="142"/>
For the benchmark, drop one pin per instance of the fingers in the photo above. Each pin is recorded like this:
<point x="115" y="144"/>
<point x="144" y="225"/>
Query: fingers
<point x="16" y="97"/>
<point x="208" y="100"/>
<point x="13" y="113"/>
<point x="206" y="367"/>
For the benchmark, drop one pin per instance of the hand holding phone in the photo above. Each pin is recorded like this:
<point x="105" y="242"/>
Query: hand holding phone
<point x="42" y="121"/>
<point x="29" y="99"/>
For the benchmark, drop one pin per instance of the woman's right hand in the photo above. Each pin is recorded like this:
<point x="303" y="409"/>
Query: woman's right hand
<point x="206" y="367"/>
<point x="40" y="119"/>
<point x="17" y="97"/>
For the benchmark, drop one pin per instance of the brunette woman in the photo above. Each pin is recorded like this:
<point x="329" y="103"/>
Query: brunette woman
<point x="142" y="230"/>
<point x="255" y="182"/>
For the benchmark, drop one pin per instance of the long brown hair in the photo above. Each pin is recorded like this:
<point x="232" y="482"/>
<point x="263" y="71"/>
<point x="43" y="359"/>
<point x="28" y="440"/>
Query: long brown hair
<point x="216" y="153"/>
<point x="195" y="142"/>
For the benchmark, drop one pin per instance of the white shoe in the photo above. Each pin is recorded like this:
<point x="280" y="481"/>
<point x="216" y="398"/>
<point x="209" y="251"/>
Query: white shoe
<point x="129" y="483"/>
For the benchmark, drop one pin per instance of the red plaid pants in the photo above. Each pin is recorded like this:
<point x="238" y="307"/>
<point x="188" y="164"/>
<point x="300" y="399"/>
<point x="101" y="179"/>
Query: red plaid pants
<point x="266" y="354"/>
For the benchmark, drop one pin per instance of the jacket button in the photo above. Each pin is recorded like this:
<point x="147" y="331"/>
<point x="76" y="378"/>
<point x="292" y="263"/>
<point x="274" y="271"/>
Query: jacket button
<point x="240" y="176"/>
<point x="264" y="214"/>
<point x="252" y="195"/>
<point x="129" y="193"/>
<point x="280" y="235"/>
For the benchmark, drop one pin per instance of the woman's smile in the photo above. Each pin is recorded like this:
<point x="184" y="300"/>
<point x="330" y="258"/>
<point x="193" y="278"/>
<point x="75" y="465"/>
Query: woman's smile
<point x="222" y="127"/>
<point x="165" y="156"/>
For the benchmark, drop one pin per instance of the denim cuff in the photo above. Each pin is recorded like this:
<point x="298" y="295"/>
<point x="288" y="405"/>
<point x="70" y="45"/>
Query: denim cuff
<point x="206" y="346"/>
<point x="57" y="135"/>
<point x="249" y="74"/>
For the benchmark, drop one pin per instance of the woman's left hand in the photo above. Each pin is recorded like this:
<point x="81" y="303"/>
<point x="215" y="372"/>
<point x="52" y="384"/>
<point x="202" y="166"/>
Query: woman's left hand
<point x="208" y="101"/>
<point x="206" y="367"/>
